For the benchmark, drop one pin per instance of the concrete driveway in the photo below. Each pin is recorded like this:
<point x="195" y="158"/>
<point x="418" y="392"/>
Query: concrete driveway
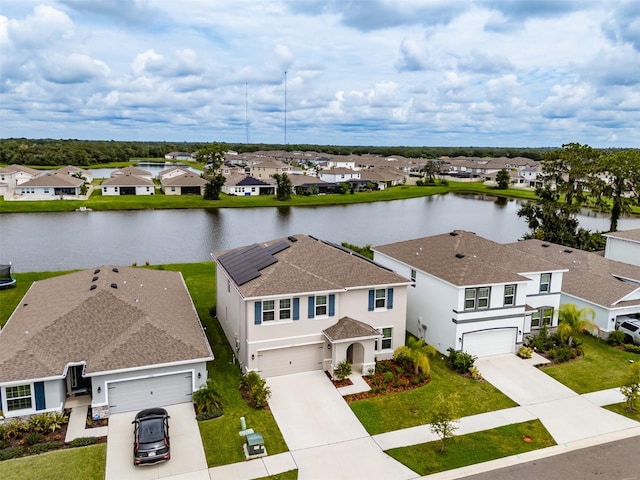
<point x="325" y="438"/>
<point x="187" y="454"/>
<point x="565" y="414"/>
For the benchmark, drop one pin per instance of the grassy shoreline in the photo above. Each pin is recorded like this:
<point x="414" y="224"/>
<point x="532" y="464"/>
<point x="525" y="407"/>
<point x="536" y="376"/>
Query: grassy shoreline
<point x="98" y="202"/>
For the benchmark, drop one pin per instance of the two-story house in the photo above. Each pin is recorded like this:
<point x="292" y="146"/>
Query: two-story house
<point x="298" y="304"/>
<point x="472" y="294"/>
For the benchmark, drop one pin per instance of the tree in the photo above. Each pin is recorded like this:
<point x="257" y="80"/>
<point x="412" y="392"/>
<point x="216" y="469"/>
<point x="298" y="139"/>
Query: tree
<point x="283" y="186"/>
<point x="444" y="416"/>
<point x="213" y="156"/>
<point x="569" y="169"/>
<point x="622" y="170"/>
<point x="631" y="387"/>
<point x="431" y="169"/>
<point x="214" y="186"/>
<point x="418" y="352"/>
<point x="572" y="321"/>
<point x="502" y="178"/>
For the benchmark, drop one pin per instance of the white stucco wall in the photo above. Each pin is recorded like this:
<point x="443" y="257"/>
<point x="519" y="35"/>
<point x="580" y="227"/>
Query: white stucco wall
<point x="623" y="251"/>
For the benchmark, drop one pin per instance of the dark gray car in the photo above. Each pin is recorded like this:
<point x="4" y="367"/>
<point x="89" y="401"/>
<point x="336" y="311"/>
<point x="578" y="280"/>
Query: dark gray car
<point x="151" y="437"/>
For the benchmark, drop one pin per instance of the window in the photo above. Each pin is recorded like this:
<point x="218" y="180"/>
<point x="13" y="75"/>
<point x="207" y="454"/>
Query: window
<point x="381" y="297"/>
<point x="18" y="397"/>
<point x="413" y="277"/>
<point x="285" y="309"/>
<point x="321" y="305"/>
<point x="268" y="311"/>
<point x="46" y="190"/>
<point x="544" y="313"/>
<point x="173" y="189"/>
<point x="545" y="283"/>
<point x="387" y="336"/>
<point x="509" y="295"/>
<point x="476" y="298"/>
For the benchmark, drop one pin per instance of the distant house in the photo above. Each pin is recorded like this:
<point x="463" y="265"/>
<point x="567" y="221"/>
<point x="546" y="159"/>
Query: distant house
<point x="308" y="185"/>
<point x="472" y="294"/>
<point x="179" y="156"/>
<point x="75" y="171"/>
<point x="338" y="175"/>
<point x="186" y="184"/>
<point x="267" y="168"/>
<point x="382" y="177"/>
<point x="246" y="185"/>
<point x="623" y="246"/>
<point x="139" y="172"/>
<point x="128" y="338"/>
<point x="49" y="186"/>
<point x="172" y="172"/>
<point x="298" y="304"/>
<point x="127" y="184"/>
<point x="14" y="175"/>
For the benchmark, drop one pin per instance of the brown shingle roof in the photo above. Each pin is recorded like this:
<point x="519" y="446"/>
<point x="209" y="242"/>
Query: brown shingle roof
<point x="185" y="180"/>
<point x="127" y="180"/>
<point x="131" y="171"/>
<point x="348" y="328"/>
<point x="464" y="258"/>
<point x="311" y="265"/>
<point x="148" y="320"/>
<point x="52" y="179"/>
<point x="590" y="277"/>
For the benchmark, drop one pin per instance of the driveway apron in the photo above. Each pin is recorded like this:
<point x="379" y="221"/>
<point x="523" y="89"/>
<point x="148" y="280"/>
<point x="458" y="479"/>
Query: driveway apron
<point x="187" y="452"/>
<point x="325" y="438"/>
<point x="565" y="414"/>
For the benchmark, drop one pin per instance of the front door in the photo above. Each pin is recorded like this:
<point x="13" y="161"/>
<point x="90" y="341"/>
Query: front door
<point x="76" y="383"/>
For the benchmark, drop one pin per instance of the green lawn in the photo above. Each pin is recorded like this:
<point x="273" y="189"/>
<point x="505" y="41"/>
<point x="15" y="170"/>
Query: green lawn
<point x="220" y="437"/>
<point x="473" y="448"/>
<point x="408" y="409"/>
<point x="161" y="201"/>
<point x="87" y="463"/>
<point x="602" y="367"/>
<point x="621" y="409"/>
<point x="289" y="475"/>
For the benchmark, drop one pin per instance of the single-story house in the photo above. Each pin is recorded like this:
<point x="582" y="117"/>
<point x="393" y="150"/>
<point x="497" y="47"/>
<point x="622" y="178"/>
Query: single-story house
<point x="127" y="185"/>
<point x="308" y="185"/>
<point x="246" y="185"/>
<point x="611" y="288"/>
<point x="49" y="186"/>
<point x="623" y="246"/>
<point x="186" y="184"/>
<point x="179" y="156"/>
<point x="139" y="172"/>
<point x="472" y="294"/>
<point x="128" y="337"/>
<point x="298" y="304"/>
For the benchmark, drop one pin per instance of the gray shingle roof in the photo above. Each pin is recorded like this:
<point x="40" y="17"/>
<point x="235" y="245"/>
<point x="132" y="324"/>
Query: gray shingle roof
<point x="52" y="179"/>
<point x="348" y="328"/>
<point x="633" y="235"/>
<point x="188" y="179"/>
<point x="148" y="320"/>
<point x="311" y="265"/>
<point x="464" y="258"/>
<point x="590" y="276"/>
<point x="127" y="180"/>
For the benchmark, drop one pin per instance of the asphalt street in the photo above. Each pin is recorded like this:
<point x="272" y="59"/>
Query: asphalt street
<point x="618" y="460"/>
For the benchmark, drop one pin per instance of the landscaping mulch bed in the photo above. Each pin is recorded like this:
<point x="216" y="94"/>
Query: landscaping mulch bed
<point x="393" y="379"/>
<point x="91" y="423"/>
<point x="339" y="383"/>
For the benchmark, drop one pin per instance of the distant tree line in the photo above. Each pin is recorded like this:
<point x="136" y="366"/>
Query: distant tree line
<point x="52" y="152"/>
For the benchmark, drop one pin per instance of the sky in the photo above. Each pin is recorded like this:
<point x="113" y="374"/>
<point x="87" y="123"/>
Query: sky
<point x="510" y="73"/>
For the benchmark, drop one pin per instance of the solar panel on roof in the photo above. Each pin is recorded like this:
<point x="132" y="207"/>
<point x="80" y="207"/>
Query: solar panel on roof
<point x="244" y="264"/>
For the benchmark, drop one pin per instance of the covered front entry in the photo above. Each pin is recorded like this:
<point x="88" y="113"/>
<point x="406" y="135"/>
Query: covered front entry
<point x="149" y="392"/>
<point x="355" y="342"/>
<point x="490" y="342"/>
<point x="77" y="384"/>
<point x="284" y="361"/>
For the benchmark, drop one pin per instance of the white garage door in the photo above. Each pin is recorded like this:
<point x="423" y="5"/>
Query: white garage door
<point x="489" y="342"/>
<point x="150" y="392"/>
<point x="283" y="361"/>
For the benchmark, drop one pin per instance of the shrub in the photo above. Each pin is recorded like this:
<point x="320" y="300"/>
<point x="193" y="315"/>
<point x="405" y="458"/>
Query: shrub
<point x="45" y="447"/>
<point x="615" y="338"/>
<point x="475" y="373"/>
<point x="343" y="370"/>
<point x="387" y="377"/>
<point x="382" y="367"/>
<point x="525" y="352"/>
<point x="208" y="416"/>
<point x="207" y="401"/>
<point x="632" y="348"/>
<point x="256" y="389"/>
<point x="561" y="354"/>
<point x="460" y="361"/>
<point x="12" y="452"/>
<point x="83" y="441"/>
<point x="4" y="443"/>
<point x="33" y="438"/>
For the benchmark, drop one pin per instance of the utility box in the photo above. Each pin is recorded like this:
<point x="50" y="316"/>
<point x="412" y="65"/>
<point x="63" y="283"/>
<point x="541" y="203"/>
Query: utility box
<point x="255" y="446"/>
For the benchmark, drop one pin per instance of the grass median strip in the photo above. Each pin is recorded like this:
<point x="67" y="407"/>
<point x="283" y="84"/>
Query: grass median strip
<point x="473" y="448"/>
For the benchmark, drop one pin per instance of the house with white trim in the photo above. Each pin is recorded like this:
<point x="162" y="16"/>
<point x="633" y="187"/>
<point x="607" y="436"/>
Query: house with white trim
<point x="338" y="175"/>
<point x="472" y="294"/>
<point x="184" y="184"/>
<point x="127" y="185"/>
<point x="611" y="288"/>
<point x="50" y="186"/>
<point x="297" y="304"/>
<point x="623" y="246"/>
<point x="130" y="338"/>
<point x="245" y="185"/>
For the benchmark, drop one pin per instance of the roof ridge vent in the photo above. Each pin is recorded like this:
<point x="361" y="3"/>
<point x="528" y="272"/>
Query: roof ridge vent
<point x="114" y="285"/>
<point x="459" y="255"/>
<point x="97" y="270"/>
<point x="292" y="239"/>
<point x="545" y="245"/>
<point x="93" y="287"/>
<point x="94" y="279"/>
<point x="454" y="233"/>
<point x="115" y="269"/>
<point x="567" y="250"/>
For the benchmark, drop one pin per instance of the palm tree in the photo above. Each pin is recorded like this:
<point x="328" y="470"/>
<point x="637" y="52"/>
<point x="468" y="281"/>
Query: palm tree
<point x="418" y="352"/>
<point x="572" y="321"/>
